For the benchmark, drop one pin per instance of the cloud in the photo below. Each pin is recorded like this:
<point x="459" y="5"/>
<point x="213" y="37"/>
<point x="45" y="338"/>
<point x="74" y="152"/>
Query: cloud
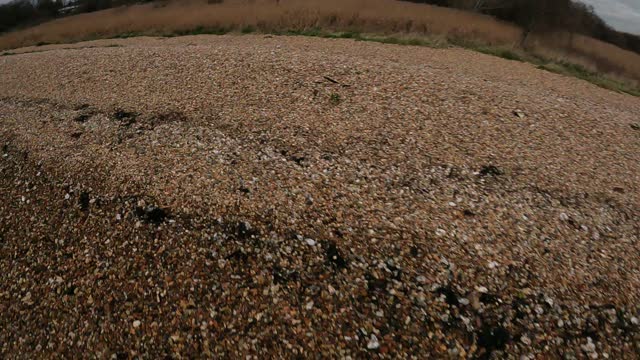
<point x="621" y="14"/>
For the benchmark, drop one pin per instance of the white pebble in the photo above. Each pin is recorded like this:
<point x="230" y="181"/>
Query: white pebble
<point x="309" y="305"/>
<point x="310" y="242"/>
<point x="548" y="300"/>
<point x="589" y="347"/>
<point x="373" y="343"/>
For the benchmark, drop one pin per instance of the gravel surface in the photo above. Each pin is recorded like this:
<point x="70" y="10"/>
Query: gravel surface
<point x="254" y="196"/>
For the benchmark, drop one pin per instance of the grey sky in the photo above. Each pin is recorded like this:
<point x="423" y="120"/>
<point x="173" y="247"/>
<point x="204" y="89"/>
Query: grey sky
<point x="620" y="14"/>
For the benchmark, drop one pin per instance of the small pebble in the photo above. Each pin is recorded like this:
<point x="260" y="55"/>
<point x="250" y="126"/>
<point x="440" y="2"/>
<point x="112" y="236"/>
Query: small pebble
<point x="309" y="305"/>
<point x="589" y="347"/>
<point x="373" y="343"/>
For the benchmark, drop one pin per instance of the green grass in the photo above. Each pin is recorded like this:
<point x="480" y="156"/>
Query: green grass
<point x="500" y="52"/>
<point x="202" y="30"/>
<point x="335" y="99"/>
<point x="248" y="29"/>
<point x="558" y="67"/>
<point x="8" y="53"/>
<point x="316" y="32"/>
<point x="580" y="72"/>
<point x="127" y="35"/>
<point x="405" y="41"/>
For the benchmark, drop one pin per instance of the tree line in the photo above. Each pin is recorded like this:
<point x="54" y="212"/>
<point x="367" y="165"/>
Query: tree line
<point x="18" y="13"/>
<point x="22" y="13"/>
<point x="544" y="16"/>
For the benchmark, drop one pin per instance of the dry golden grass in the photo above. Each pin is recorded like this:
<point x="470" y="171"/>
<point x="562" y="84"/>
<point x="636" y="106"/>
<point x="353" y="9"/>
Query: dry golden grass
<point x="590" y="53"/>
<point x="379" y="16"/>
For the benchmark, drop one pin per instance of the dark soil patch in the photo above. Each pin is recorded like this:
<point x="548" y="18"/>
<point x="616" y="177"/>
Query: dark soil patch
<point x="333" y="255"/>
<point x="152" y="214"/>
<point x="125" y="117"/>
<point x="168" y="118"/>
<point x="492" y="338"/>
<point x="490" y="170"/>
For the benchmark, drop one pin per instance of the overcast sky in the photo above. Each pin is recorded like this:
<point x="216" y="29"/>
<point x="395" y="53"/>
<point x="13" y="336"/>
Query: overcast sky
<point x="620" y="14"/>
